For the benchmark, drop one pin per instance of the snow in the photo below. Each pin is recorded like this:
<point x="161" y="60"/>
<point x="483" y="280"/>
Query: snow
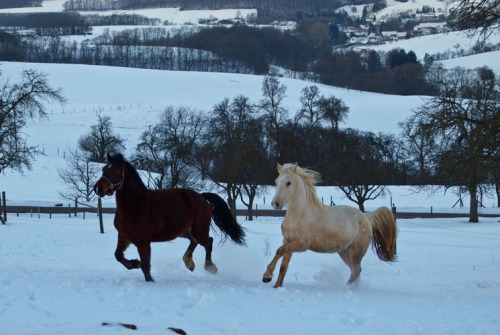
<point x="394" y="8"/>
<point x="438" y="43"/>
<point x="59" y="276"/>
<point x="172" y="15"/>
<point x="475" y="61"/>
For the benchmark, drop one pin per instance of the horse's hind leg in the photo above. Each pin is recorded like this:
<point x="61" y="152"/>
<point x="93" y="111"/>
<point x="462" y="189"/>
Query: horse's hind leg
<point x="209" y="265"/>
<point x="352" y="258"/>
<point x="188" y="255"/>
<point x="199" y="233"/>
<point x="355" y="268"/>
<point x="122" y="245"/>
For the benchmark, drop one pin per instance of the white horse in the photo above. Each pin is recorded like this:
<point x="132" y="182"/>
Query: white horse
<point x="310" y="225"/>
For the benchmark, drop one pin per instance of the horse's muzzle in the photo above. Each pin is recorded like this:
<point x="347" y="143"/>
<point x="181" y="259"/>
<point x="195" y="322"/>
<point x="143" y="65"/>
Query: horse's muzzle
<point x="276" y="204"/>
<point x="99" y="190"/>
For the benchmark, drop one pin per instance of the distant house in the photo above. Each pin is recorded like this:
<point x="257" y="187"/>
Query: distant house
<point x="375" y="39"/>
<point x="358" y="40"/>
<point x="429" y="28"/>
<point x="394" y="35"/>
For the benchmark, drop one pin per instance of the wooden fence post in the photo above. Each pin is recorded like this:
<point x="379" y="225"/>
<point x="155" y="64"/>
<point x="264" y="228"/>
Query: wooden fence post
<point x="4" y="205"/>
<point x="99" y="210"/>
<point x="76" y="206"/>
<point x="394" y="214"/>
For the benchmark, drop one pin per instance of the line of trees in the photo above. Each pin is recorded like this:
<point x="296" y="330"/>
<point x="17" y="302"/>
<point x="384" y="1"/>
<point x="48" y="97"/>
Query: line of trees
<point x="104" y="5"/>
<point x="452" y="140"/>
<point x="47" y="24"/>
<point x="20" y="3"/>
<point x="239" y="49"/>
<point x="284" y="9"/>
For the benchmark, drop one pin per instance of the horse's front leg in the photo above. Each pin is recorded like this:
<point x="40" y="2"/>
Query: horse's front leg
<point x="145" y="254"/>
<point x="286" y="248"/>
<point x="283" y="269"/>
<point x="122" y="245"/>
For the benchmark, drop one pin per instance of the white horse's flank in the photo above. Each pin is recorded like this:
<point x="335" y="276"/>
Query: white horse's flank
<point x="310" y="225"/>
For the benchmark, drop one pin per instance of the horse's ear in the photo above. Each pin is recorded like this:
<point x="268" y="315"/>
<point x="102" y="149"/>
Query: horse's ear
<point x="280" y="168"/>
<point x="294" y="168"/>
<point x="110" y="158"/>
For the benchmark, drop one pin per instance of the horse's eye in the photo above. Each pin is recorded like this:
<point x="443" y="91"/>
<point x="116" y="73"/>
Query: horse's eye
<point x="288" y="183"/>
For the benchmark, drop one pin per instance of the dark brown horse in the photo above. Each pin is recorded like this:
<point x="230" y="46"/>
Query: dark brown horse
<point x="144" y="216"/>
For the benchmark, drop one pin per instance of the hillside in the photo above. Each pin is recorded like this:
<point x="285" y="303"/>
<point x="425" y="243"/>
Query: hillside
<point x="134" y="99"/>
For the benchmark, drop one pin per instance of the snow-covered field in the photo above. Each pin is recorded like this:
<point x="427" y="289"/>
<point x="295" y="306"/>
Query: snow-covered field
<point x="59" y="276"/>
<point x="172" y="15"/>
<point x="439" y="43"/>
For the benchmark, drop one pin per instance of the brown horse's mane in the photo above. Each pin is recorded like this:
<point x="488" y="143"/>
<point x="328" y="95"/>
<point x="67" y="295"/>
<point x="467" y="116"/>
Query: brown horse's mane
<point x="135" y="175"/>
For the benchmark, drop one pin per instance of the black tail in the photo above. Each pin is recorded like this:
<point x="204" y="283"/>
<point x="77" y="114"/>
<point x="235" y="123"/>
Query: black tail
<point x="224" y="219"/>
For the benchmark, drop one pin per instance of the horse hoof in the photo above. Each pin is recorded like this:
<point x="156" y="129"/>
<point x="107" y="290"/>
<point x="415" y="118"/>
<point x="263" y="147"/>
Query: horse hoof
<point x="189" y="265"/>
<point x="136" y="264"/>
<point x="266" y="280"/>
<point x="211" y="268"/>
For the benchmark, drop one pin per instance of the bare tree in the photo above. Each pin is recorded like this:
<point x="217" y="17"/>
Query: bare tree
<point x="167" y="149"/>
<point x="310" y="113"/>
<point x="19" y="103"/>
<point x="239" y="152"/>
<point x="79" y="175"/>
<point x="275" y="115"/>
<point x="464" y="118"/>
<point x="366" y="166"/>
<point x="480" y="16"/>
<point x="101" y="140"/>
<point x="419" y="146"/>
<point x="333" y="109"/>
<point x="359" y="194"/>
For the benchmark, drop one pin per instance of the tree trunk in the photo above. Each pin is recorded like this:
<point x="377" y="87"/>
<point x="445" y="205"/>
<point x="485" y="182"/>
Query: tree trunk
<point x="361" y="205"/>
<point x="497" y="189"/>
<point x="250" y="209"/>
<point x="473" y="215"/>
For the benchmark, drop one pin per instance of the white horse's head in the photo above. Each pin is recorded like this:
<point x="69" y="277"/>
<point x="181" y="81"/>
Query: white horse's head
<point x="285" y="185"/>
<point x="295" y="184"/>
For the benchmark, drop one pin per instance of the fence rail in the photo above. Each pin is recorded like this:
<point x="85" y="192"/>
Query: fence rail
<point x="240" y="212"/>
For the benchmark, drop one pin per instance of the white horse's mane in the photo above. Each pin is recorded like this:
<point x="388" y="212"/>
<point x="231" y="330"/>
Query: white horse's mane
<point x="310" y="179"/>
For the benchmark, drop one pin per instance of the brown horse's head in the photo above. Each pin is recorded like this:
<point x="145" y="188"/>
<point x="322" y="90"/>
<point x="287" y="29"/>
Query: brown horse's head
<point x="112" y="176"/>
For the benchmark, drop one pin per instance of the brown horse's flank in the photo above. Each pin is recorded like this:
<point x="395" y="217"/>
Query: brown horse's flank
<point x="144" y="216"/>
